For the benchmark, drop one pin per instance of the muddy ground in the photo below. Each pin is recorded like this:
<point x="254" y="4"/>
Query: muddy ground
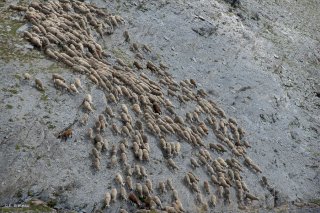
<point x="260" y="61"/>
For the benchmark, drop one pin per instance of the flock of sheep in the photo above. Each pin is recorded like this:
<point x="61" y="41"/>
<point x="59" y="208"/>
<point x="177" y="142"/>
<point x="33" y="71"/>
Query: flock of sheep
<point x="66" y="31"/>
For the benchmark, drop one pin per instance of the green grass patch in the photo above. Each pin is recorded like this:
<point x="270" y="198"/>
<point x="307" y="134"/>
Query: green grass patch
<point x="9" y="39"/>
<point x="315" y="201"/>
<point x="30" y="208"/>
<point x="51" y="126"/>
<point x="17" y="76"/>
<point x="11" y="90"/>
<point x="9" y="106"/>
<point x="17" y="147"/>
<point x="44" y="97"/>
<point x="52" y="203"/>
<point x="142" y="7"/>
<point x="55" y="68"/>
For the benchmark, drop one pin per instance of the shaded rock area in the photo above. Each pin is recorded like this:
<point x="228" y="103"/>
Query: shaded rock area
<point x="259" y="61"/>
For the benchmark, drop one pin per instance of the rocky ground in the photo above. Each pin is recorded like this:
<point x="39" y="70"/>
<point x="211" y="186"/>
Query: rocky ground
<point x="259" y="61"/>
